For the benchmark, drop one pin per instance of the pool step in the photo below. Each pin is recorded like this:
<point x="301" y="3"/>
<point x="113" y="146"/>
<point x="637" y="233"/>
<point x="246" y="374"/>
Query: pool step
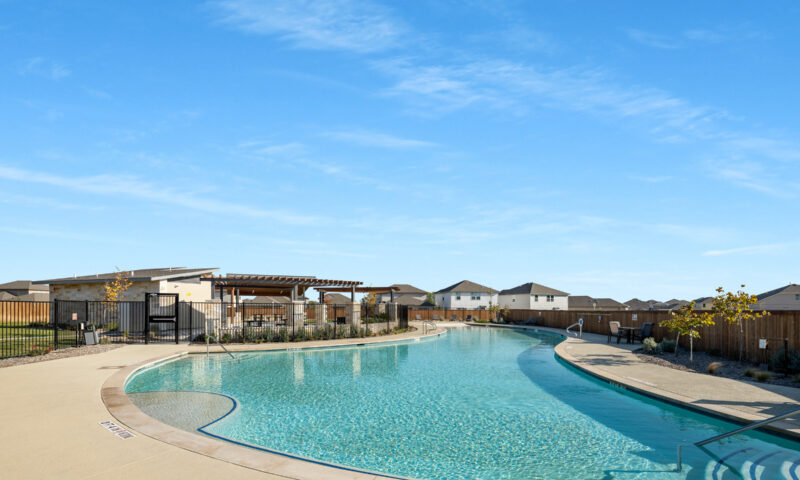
<point x="753" y="464"/>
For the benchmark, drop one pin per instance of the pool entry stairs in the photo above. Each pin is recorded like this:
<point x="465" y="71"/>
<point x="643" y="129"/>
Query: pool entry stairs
<point x="746" y="463"/>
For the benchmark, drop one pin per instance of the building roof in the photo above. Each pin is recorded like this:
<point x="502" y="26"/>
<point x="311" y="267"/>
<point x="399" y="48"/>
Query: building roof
<point x="406" y="288"/>
<point x="34" y="297"/>
<point x="636" y="304"/>
<point x="23" y="285"/>
<point x="268" y="299"/>
<point x="465" y="286"/>
<point x="412" y="301"/>
<point x="792" y="288"/>
<point x="585" y="301"/>
<point x="337" y="298"/>
<point x="142" y="275"/>
<point x="7" y="296"/>
<point x="532" y="289"/>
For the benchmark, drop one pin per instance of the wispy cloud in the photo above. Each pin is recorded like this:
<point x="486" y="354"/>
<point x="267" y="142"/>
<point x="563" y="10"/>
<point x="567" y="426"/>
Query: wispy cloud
<point x="753" y="249"/>
<point x="43" y="67"/>
<point x="692" y="37"/>
<point x="751" y="175"/>
<point x="353" y="25"/>
<point x="131" y="186"/>
<point x="375" y="139"/>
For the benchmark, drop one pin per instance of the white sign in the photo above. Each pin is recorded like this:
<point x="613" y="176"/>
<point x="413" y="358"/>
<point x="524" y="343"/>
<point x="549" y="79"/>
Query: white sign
<point x="117" y="430"/>
<point x="74" y="316"/>
<point x="762" y="343"/>
<point x="635" y="317"/>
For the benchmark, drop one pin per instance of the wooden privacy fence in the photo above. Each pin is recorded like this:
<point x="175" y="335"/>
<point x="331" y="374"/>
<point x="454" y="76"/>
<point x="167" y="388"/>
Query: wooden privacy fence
<point x="23" y="313"/>
<point x="721" y="338"/>
<point x="447" y="314"/>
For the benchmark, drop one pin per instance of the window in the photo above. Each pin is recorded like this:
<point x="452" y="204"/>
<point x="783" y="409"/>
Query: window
<point x="551" y="298"/>
<point x="475" y="296"/>
<point x="797" y="297"/>
<point x="535" y="298"/>
<point x="458" y="296"/>
<point x="513" y="299"/>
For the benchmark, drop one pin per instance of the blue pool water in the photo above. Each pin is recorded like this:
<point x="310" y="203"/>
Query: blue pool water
<point x="474" y="403"/>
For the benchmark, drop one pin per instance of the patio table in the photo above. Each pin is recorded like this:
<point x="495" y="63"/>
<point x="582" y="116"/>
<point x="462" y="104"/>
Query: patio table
<point x="629" y="332"/>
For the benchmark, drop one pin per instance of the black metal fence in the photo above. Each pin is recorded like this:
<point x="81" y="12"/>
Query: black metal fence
<point x="31" y="328"/>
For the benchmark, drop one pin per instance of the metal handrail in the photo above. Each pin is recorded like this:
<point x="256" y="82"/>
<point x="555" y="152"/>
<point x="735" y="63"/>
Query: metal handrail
<point x="208" y="335"/>
<point x="426" y="324"/>
<point x="735" y="432"/>
<point x="578" y="324"/>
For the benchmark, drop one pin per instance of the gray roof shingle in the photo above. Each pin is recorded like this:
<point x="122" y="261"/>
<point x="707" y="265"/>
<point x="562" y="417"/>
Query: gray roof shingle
<point x="465" y="286"/>
<point x="531" y="288"/>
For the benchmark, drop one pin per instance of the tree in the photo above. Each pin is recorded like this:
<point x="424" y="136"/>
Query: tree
<point x="688" y="322"/>
<point x="735" y="309"/>
<point x="116" y="287"/>
<point x="430" y="298"/>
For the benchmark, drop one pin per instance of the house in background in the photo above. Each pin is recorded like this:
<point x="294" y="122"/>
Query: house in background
<point x="783" y="298"/>
<point x="402" y="290"/>
<point x="636" y="304"/>
<point x="187" y="282"/>
<point x="585" y="302"/>
<point x="466" y="294"/>
<point x="24" y="290"/>
<point x="532" y="296"/>
<point x="703" y="303"/>
<point x="337" y="299"/>
<point x="262" y="299"/>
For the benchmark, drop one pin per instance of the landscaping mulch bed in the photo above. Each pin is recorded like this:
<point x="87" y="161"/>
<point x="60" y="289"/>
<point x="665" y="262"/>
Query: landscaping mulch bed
<point x="729" y="369"/>
<point x="58" y="354"/>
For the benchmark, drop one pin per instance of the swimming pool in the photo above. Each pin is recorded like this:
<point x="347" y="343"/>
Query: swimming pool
<point x="474" y="403"/>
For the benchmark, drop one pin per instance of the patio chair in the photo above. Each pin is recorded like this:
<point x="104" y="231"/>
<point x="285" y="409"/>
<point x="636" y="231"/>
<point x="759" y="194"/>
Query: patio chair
<point x="614" y="331"/>
<point x="418" y="318"/>
<point x="645" y="332"/>
<point x="468" y="319"/>
<point x="435" y="317"/>
<point x="453" y="318"/>
<point x="531" y="321"/>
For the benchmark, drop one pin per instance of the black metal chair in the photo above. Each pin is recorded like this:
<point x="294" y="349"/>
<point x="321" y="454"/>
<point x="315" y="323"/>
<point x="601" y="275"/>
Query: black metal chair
<point x="645" y="332"/>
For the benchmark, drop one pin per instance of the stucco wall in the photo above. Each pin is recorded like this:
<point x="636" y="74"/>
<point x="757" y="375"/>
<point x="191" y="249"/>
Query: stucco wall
<point x="529" y="302"/>
<point x="450" y="300"/>
<point x="188" y="291"/>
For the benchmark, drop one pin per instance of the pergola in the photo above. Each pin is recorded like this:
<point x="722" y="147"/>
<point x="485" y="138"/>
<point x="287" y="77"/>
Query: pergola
<point x="353" y="290"/>
<point x="294" y="287"/>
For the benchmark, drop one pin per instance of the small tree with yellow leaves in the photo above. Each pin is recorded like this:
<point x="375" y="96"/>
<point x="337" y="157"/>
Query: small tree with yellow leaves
<point x="687" y="322"/>
<point x="116" y="287"/>
<point x="735" y="309"/>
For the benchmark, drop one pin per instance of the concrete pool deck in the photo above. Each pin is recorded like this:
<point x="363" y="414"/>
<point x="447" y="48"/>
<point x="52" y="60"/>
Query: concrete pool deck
<point x="50" y="413"/>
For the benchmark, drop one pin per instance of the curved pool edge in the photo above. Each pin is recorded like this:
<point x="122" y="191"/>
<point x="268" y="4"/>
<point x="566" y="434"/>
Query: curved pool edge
<point x="562" y="352"/>
<point x="120" y="406"/>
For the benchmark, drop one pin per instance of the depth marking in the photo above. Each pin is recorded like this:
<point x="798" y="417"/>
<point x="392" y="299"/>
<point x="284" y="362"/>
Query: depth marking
<point x="117" y="430"/>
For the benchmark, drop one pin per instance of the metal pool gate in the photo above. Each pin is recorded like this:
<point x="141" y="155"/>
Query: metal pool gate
<point x="160" y="309"/>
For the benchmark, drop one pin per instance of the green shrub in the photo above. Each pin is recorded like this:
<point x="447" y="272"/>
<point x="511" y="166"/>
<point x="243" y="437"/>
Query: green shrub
<point x="750" y="373"/>
<point x="198" y="339"/>
<point x="105" y="341"/>
<point x="790" y="361"/>
<point x="668" y="345"/>
<point x="649" y="345"/>
<point x="226" y="338"/>
<point x="112" y="326"/>
<point x="249" y="335"/>
<point x="283" y="335"/>
<point x="762" y="376"/>
<point x="35" y="351"/>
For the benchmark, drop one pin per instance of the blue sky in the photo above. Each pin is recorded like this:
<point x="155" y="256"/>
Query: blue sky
<point x="604" y="149"/>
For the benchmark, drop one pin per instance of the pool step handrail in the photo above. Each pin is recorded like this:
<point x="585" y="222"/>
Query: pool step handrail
<point x="428" y="325"/>
<point x="209" y="336"/>
<point x="735" y="432"/>
<point x="578" y="324"/>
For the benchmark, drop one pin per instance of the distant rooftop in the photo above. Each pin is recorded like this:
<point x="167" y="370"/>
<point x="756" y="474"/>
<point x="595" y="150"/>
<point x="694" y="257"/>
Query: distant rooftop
<point x="465" y="286"/>
<point x="142" y="275"/>
<point x="531" y="288"/>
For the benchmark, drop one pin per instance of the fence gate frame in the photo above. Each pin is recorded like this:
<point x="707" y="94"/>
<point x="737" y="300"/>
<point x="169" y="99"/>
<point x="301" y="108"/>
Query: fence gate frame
<point x="155" y="318"/>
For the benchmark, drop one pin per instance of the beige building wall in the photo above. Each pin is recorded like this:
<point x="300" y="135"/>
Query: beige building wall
<point x="187" y="291"/>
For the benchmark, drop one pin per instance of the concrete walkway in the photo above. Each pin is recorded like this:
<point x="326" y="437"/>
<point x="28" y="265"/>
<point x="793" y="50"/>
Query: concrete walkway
<point x="50" y="413"/>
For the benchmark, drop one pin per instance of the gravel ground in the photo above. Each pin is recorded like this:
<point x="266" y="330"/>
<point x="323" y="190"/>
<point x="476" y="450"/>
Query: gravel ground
<point x="57" y="354"/>
<point x="729" y="369"/>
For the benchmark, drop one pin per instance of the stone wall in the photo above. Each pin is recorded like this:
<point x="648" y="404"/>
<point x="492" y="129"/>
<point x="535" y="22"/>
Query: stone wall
<point x="187" y="291"/>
